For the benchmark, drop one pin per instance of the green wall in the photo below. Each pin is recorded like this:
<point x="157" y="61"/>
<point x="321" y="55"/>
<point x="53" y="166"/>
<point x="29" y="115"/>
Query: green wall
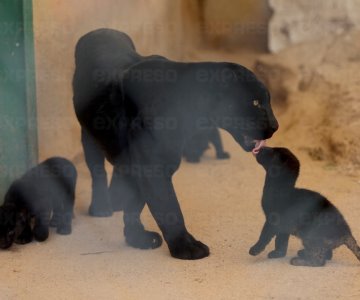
<point x="18" y="126"/>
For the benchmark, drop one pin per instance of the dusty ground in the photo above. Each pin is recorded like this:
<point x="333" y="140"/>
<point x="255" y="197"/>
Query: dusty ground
<point x="221" y="204"/>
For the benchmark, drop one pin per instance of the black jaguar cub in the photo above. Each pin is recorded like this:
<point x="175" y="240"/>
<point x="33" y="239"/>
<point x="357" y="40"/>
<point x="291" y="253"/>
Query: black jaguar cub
<point x="299" y="212"/>
<point x="48" y="188"/>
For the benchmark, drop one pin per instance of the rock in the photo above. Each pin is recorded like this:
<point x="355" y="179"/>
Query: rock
<point x="293" y="69"/>
<point x="318" y="87"/>
<point x="299" y="21"/>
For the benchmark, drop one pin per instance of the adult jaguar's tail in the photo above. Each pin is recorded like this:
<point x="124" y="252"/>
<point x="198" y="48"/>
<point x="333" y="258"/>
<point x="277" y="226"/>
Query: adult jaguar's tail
<point x="351" y="243"/>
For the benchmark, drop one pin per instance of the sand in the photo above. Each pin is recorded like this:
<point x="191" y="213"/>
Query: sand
<point x="221" y="204"/>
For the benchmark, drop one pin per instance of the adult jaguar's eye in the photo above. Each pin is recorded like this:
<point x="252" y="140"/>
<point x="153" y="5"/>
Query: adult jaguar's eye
<point x="256" y="103"/>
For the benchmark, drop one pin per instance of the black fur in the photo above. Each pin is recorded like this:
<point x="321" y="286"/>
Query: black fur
<point x="299" y="212"/>
<point x="196" y="145"/>
<point x="48" y="188"/>
<point x="138" y="111"/>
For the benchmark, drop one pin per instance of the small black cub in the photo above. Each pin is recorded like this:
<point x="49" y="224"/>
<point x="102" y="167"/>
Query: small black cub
<point x="299" y="212"/>
<point x="48" y="188"/>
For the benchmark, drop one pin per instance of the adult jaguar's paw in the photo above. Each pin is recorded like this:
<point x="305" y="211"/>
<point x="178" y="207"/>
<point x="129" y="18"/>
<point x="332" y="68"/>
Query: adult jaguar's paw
<point x="100" y="211"/>
<point x="143" y="239"/>
<point x="223" y="155"/>
<point x="193" y="159"/>
<point x="276" y="254"/>
<point x="100" y="202"/>
<point x="186" y="247"/>
<point x="256" y="249"/>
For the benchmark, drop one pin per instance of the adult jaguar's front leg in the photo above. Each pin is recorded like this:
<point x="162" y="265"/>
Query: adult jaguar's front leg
<point x="155" y="184"/>
<point x="133" y="204"/>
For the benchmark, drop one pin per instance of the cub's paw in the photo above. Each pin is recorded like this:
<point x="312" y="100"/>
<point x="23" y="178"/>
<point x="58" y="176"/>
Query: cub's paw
<point x="41" y="233"/>
<point x="186" y="247"/>
<point x="143" y="239"/>
<point x="64" y="229"/>
<point x="55" y="220"/>
<point x="298" y="261"/>
<point x="60" y="218"/>
<point x="223" y="155"/>
<point x="276" y="254"/>
<point x="328" y="254"/>
<point x="256" y="249"/>
<point x="24" y="239"/>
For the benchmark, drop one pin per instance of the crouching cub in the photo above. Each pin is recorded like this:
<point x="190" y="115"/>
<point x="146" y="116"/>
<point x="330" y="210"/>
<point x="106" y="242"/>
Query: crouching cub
<point x="299" y="212"/>
<point x="46" y="189"/>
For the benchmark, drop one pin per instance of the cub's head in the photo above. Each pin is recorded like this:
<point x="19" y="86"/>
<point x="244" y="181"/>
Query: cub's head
<point x="7" y="225"/>
<point x="279" y="164"/>
<point x="245" y="110"/>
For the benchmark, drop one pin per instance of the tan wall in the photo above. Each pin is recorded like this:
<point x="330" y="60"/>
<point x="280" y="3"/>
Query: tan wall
<point x="299" y="21"/>
<point x="237" y="24"/>
<point x="154" y="25"/>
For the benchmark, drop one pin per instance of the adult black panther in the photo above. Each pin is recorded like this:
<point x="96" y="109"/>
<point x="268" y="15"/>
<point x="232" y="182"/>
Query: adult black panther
<point x="137" y="112"/>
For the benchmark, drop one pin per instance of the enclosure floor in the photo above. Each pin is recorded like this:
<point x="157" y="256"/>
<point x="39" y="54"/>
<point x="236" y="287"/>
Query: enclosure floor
<point x="221" y="203"/>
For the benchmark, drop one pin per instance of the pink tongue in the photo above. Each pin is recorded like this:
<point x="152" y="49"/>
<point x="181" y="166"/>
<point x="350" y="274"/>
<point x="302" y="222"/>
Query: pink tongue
<point x="259" y="144"/>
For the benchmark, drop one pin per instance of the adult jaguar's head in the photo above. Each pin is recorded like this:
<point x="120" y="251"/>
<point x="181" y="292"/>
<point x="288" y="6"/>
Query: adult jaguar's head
<point x="243" y="107"/>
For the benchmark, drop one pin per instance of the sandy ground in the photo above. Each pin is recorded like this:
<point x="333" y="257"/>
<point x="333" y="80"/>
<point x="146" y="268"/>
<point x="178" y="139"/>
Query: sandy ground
<point x="221" y="203"/>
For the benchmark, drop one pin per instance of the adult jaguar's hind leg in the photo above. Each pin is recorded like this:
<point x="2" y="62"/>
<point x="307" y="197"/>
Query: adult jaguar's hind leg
<point x="95" y="159"/>
<point x="155" y="185"/>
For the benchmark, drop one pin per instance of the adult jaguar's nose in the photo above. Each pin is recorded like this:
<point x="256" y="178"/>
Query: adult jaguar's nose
<point x="274" y="125"/>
